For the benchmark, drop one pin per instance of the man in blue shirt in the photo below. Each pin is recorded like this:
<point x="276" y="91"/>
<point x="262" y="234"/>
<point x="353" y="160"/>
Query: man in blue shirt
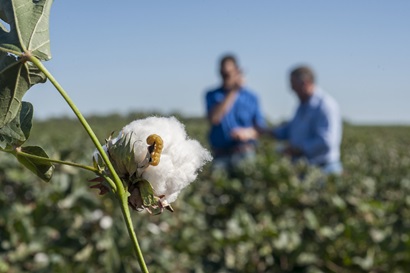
<point x="315" y="132"/>
<point x="235" y="117"/>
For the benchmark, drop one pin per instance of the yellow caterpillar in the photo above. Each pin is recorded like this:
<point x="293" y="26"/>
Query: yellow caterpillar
<point x="155" y="148"/>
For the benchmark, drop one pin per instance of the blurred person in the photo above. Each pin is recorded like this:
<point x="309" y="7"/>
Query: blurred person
<point x="315" y="131"/>
<point x="235" y="118"/>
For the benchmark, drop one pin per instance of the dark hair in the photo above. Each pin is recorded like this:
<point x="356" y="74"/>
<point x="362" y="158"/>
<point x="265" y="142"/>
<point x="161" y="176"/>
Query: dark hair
<point x="228" y="58"/>
<point x="303" y="73"/>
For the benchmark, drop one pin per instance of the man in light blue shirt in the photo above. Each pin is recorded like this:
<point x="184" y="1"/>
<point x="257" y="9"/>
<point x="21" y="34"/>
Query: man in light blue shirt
<point x="315" y="132"/>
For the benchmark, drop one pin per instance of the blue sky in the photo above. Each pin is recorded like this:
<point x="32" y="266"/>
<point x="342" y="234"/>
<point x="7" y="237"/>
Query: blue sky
<point x="122" y="56"/>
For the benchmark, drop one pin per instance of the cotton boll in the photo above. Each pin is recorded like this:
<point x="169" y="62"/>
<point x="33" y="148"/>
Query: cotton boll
<point x="178" y="168"/>
<point x="180" y="160"/>
<point x="157" y="175"/>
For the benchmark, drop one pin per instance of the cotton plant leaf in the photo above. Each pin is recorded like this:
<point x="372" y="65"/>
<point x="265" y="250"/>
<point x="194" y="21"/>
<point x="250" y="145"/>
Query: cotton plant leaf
<point x="42" y="169"/>
<point x="26" y="118"/>
<point x="29" y="26"/>
<point x="28" y="33"/>
<point x="17" y="131"/>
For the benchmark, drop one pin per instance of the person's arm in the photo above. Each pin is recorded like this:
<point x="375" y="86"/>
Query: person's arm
<point x="218" y="111"/>
<point x="281" y="132"/>
<point x="326" y="131"/>
<point x="245" y="134"/>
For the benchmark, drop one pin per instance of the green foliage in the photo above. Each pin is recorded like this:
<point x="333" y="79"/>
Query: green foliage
<point x="266" y="219"/>
<point x="29" y="34"/>
<point x="42" y="169"/>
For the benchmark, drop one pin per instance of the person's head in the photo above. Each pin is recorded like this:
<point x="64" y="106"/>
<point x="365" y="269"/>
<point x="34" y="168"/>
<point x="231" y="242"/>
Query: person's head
<point x="230" y="72"/>
<point x="302" y="81"/>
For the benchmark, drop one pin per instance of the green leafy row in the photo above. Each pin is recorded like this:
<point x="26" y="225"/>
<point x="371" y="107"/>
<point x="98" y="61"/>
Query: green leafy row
<point x="264" y="220"/>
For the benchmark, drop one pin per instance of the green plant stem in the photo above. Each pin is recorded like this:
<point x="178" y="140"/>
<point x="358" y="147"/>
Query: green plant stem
<point x="56" y="161"/>
<point x="120" y="190"/>
<point x="62" y="162"/>
<point x="6" y="50"/>
<point x="130" y="228"/>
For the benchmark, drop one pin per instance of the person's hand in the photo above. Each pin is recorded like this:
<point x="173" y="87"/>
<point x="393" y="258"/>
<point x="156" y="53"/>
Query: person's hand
<point x="244" y="134"/>
<point x="218" y="112"/>
<point x="240" y="80"/>
<point x="234" y="83"/>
